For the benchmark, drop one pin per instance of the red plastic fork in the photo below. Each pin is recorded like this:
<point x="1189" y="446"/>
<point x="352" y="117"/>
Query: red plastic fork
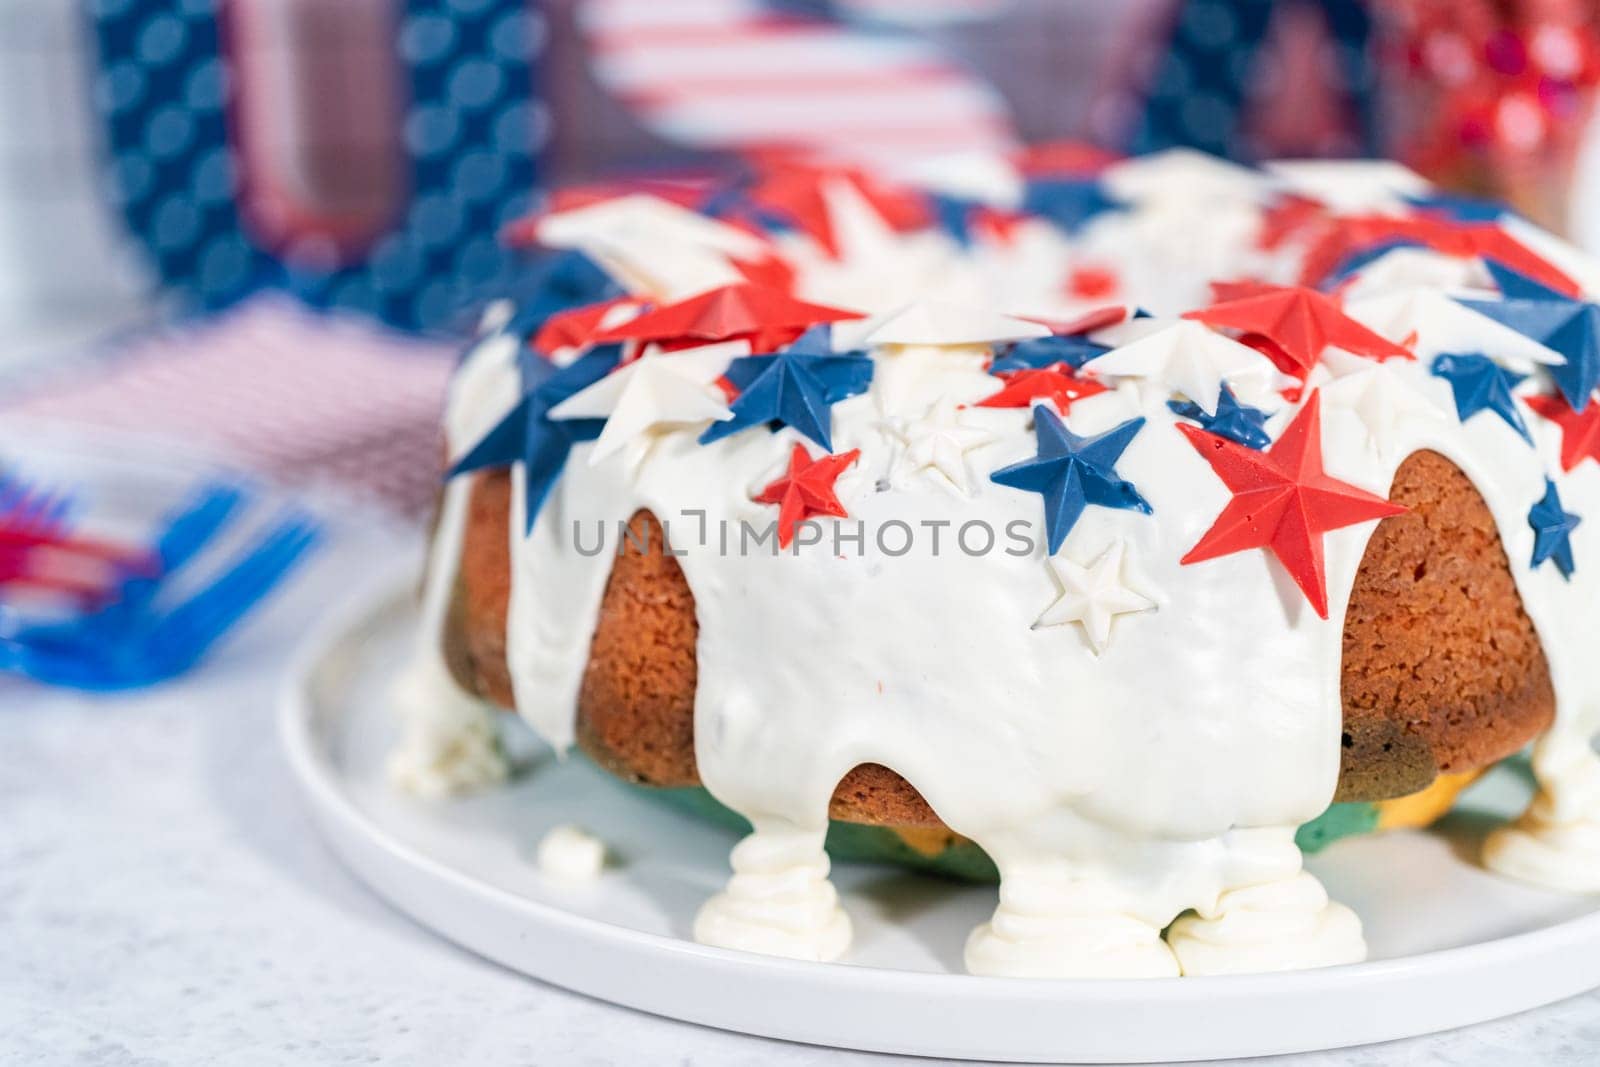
<point x="84" y="569"/>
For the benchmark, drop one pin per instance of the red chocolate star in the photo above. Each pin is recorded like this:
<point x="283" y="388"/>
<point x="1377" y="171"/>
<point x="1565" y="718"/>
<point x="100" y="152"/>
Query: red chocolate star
<point x="1289" y="217"/>
<point x="1446" y="236"/>
<point x="1055" y="383"/>
<point x="1300" y="322"/>
<point x="774" y="272"/>
<point x="1283" y="501"/>
<point x="794" y="191"/>
<point x="806" y="490"/>
<point x="996" y="225"/>
<point x="767" y="318"/>
<point x="1580" y="431"/>
<point x="1088" y="322"/>
<point x="574" y="327"/>
<point x="1239" y="289"/>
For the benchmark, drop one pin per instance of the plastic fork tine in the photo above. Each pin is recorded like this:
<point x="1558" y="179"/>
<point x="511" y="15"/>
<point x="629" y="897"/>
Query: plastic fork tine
<point x="132" y="640"/>
<point x="28" y="508"/>
<point x="189" y="636"/>
<point x="206" y="615"/>
<point x="11" y="490"/>
<point x="194" y="527"/>
<point x="60" y="508"/>
<point x="256" y="583"/>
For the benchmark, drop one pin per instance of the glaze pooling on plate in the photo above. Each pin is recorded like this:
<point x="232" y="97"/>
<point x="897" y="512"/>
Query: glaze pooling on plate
<point x="1136" y="760"/>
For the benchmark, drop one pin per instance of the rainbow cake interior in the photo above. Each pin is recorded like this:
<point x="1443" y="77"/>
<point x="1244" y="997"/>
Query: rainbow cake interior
<point x="1115" y="530"/>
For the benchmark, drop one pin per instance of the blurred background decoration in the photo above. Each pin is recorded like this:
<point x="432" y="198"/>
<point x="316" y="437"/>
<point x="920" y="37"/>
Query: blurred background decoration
<point x="163" y="159"/>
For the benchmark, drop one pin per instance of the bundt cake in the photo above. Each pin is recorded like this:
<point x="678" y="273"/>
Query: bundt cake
<point x="1095" y="531"/>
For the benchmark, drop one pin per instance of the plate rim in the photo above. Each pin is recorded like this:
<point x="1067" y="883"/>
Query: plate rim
<point x="345" y="826"/>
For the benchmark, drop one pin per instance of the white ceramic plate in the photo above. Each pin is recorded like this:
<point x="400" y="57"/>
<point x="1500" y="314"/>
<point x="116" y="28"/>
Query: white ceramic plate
<point x="1451" y="944"/>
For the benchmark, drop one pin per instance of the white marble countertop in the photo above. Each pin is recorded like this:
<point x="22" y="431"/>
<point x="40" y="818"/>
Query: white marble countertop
<point x="164" y="899"/>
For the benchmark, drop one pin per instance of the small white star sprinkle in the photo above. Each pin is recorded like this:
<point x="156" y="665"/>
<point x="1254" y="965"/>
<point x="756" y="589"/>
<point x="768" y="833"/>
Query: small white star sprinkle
<point x="938" y="322"/>
<point x="938" y="443"/>
<point x="1093" y="596"/>
<point x="1190" y="358"/>
<point x="1382" y="402"/>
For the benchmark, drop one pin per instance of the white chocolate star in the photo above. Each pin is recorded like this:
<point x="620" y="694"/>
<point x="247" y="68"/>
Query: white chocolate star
<point x="484" y="388"/>
<point x="939" y="322"/>
<point x="657" y="393"/>
<point x="1382" y="401"/>
<point x="1415" y="268"/>
<point x="1350" y="186"/>
<point x="1439" y="324"/>
<point x="1183" y="175"/>
<point x="653" y="246"/>
<point x="1193" y="359"/>
<point x="939" y="442"/>
<point x="1093" y="596"/>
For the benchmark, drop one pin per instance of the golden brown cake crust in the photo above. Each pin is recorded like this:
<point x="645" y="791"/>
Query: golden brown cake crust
<point x="1442" y="673"/>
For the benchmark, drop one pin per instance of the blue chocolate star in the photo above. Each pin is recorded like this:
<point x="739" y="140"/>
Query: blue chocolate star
<point x="1072" y="472"/>
<point x="1459" y="208"/>
<point x="1363" y="257"/>
<point x="557" y="282"/>
<point x="953" y="215"/>
<point x="527" y="433"/>
<point x="1233" y="420"/>
<point x="791" y="388"/>
<point x="1039" y="352"/>
<point x="818" y="341"/>
<point x="1569" y="326"/>
<point x="1067" y="202"/>
<point x="1481" y="384"/>
<point x="1552" y="531"/>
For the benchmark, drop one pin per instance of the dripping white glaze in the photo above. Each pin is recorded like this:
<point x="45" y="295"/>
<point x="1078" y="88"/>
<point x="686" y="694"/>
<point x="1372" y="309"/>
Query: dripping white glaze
<point x="449" y="742"/>
<point x="1114" y="791"/>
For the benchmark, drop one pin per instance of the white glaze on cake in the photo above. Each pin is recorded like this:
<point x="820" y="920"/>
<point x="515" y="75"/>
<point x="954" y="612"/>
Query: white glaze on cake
<point x="1115" y="788"/>
<point x="449" y="741"/>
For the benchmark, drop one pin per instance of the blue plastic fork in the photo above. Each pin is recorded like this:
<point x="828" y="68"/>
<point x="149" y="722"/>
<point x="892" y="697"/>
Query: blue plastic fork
<point x="181" y="538"/>
<point x="155" y="645"/>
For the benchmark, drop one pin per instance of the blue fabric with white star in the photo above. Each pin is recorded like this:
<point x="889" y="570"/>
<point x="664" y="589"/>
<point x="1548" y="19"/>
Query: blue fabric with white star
<point x="165" y="102"/>
<point x="1203" y="89"/>
<point x="1037" y="353"/>
<point x="1552" y="531"/>
<point x="1481" y="384"/>
<point x="527" y="433"/>
<point x="1237" y="422"/>
<point x="1072" y="472"/>
<point x="791" y="388"/>
<point x="1569" y="326"/>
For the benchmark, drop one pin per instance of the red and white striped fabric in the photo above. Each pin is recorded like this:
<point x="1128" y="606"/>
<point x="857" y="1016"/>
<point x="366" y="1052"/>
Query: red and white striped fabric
<point x="297" y="396"/>
<point x="923" y="12"/>
<point x="736" y="75"/>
